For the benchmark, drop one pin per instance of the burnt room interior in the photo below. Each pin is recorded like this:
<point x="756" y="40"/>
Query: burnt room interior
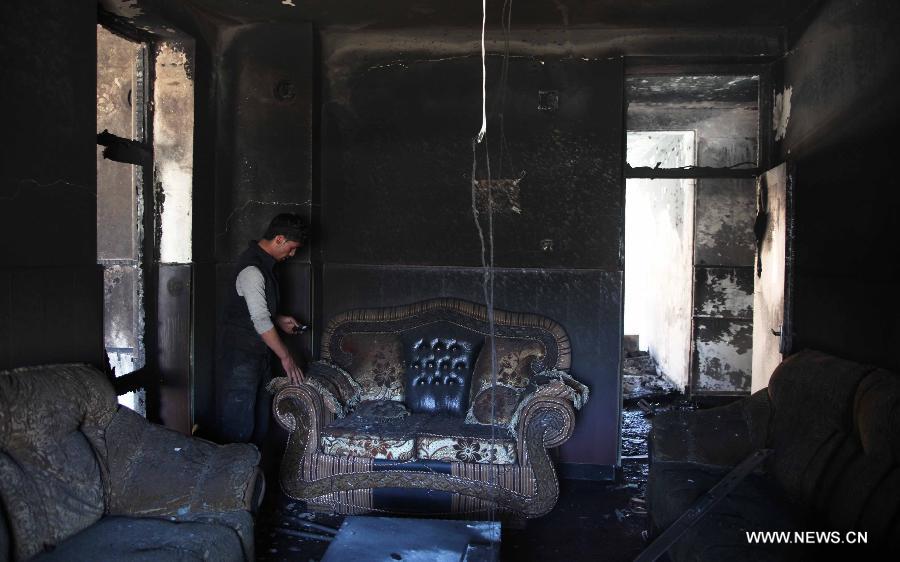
<point x="649" y="244"/>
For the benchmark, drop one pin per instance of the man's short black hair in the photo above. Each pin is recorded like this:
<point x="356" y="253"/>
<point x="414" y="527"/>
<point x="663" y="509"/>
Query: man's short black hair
<point x="289" y="225"/>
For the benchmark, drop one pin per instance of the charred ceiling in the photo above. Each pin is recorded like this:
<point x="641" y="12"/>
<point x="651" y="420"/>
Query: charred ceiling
<point x="359" y="14"/>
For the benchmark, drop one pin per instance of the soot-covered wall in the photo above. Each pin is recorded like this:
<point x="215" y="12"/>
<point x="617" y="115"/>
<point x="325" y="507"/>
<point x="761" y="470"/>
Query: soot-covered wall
<point x="398" y="223"/>
<point x="842" y="122"/>
<point x="51" y="285"/>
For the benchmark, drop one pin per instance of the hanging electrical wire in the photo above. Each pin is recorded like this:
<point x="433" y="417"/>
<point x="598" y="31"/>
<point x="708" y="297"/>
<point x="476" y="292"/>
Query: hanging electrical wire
<point x="482" y="191"/>
<point x="483" y="130"/>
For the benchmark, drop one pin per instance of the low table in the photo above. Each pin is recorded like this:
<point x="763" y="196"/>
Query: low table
<point x="392" y="539"/>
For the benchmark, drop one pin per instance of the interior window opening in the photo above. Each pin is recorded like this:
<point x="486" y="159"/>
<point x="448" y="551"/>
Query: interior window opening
<point x="121" y="112"/>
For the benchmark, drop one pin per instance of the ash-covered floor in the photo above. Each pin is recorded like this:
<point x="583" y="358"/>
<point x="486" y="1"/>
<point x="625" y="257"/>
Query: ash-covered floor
<point x="591" y="519"/>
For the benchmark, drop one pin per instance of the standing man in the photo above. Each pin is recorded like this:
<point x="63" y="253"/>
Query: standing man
<point x="249" y="330"/>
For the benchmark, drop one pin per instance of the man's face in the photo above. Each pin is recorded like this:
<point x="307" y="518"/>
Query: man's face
<point x="285" y="248"/>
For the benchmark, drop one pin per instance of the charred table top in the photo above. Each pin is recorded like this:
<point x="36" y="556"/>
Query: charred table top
<point x="391" y="539"/>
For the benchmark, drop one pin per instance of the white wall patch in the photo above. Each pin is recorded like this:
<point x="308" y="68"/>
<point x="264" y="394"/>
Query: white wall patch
<point x="781" y="113"/>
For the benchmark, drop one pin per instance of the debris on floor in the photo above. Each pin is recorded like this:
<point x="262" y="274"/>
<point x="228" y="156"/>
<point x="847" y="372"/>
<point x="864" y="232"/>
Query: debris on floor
<point x="641" y="377"/>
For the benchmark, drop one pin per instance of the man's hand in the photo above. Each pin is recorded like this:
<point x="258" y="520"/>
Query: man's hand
<point x="272" y="339"/>
<point x="294" y="374"/>
<point x="288" y="324"/>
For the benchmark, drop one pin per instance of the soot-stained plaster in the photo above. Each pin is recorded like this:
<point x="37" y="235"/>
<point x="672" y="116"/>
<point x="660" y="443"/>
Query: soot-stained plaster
<point x="722" y="355"/>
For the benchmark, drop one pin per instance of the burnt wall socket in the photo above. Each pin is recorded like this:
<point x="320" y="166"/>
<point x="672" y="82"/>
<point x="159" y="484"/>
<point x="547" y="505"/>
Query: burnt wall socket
<point x="548" y="100"/>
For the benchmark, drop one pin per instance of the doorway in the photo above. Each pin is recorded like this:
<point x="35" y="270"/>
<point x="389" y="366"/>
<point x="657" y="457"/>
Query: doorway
<point x="659" y="239"/>
<point x="693" y="153"/>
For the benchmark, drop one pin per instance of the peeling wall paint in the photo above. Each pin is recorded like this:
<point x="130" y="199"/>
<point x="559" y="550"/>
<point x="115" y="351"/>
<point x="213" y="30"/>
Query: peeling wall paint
<point x="726" y="209"/>
<point x="724" y="292"/>
<point x="781" y="113"/>
<point x="173" y="145"/>
<point x="722" y="355"/>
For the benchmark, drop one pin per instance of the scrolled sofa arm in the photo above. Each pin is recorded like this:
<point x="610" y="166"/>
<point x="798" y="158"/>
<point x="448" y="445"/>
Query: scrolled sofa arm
<point x="548" y="411"/>
<point x="152" y="471"/>
<point x="339" y="392"/>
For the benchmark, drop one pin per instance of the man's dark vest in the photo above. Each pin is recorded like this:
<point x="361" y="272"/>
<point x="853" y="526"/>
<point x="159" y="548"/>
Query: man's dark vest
<point x="238" y="327"/>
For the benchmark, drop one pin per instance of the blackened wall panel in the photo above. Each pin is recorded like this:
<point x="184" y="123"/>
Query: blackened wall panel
<point x="586" y="303"/>
<point x="48" y="69"/>
<point x="52" y="298"/>
<point x="399" y="160"/>
<point x="264" y="131"/>
<point x="295" y="278"/>
<point x="174" y="360"/>
<point x="51" y="315"/>
<point x="398" y="221"/>
<point x="204" y="307"/>
<point x="841" y="122"/>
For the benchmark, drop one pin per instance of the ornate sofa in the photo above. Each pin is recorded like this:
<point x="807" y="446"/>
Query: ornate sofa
<point x="411" y="410"/>
<point x="84" y="479"/>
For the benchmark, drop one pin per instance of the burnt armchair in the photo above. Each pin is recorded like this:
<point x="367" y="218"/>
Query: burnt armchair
<point x="82" y="478"/>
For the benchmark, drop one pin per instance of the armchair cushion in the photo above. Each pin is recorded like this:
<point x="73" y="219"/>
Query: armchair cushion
<point x="376" y="363"/>
<point x="377" y="438"/>
<point x="516" y="361"/>
<point x="128" y="539"/>
<point x="418" y="436"/>
<point x="468" y="445"/>
<point x="192" y="476"/>
<point x="439" y="363"/>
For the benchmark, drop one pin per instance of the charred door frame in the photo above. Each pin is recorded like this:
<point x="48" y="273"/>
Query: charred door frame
<point x="147" y="377"/>
<point x="168" y="330"/>
<point x="762" y="67"/>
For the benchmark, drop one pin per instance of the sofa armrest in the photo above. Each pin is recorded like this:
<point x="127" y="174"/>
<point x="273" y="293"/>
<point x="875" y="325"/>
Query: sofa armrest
<point x="546" y="415"/>
<point x="722" y="436"/>
<point x="340" y="393"/>
<point x="300" y="410"/>
<point x="157" y="472"/>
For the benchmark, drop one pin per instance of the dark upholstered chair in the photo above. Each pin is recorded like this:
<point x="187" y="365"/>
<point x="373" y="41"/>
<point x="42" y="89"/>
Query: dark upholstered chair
<point x="834" y="428"/>
<point x="84" y="479"/>
<point x="405" y="414"/>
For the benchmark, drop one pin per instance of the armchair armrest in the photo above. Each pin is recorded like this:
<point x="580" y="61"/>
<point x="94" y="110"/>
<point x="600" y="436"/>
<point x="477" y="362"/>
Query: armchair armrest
<point x="339" y="392"/>
<point x="546" y="415"/>
<point x="722" y="436"/>
<point x="157" y="472"/>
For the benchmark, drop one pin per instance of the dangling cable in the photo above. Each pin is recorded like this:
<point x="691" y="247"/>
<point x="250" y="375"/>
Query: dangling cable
<point x="483" y="130"/>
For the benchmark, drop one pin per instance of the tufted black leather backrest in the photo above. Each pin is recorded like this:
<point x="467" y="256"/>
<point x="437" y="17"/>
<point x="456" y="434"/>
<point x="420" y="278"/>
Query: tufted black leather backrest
<point x="439" y="361"/>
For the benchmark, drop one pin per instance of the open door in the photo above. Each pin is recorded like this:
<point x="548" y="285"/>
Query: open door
<point x="771" y="316"/>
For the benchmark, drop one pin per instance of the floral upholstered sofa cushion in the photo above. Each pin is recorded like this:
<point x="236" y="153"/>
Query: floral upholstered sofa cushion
<point x="517" y="362"/>
<point x="376" y="363"/>
<point x="417" y="436"/>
